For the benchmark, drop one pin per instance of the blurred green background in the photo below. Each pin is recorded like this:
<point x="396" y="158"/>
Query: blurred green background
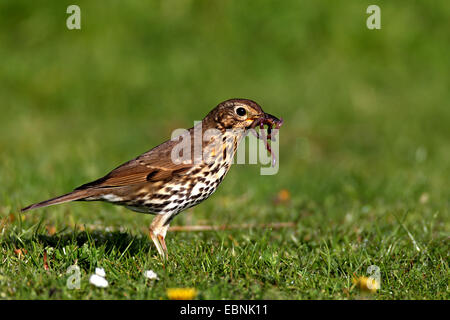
<point x="367" y="112"/>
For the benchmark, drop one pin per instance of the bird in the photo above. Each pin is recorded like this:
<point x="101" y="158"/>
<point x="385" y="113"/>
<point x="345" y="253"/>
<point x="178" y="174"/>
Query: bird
<point x="174" y="176"/>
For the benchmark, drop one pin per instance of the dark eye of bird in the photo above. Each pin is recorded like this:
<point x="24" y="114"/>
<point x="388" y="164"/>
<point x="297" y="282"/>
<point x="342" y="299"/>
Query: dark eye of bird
<point x="241" y="112"/>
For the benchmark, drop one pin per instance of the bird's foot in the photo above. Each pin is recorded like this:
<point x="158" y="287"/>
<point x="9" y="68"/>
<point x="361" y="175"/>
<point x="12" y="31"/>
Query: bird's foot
<point x="160" y="244"/>
<point x="158" y="230"/>
<point x="163" y="244"/>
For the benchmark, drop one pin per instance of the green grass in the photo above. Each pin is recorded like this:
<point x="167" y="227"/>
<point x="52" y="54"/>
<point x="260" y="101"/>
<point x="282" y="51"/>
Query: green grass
<point x="364" y="148"/>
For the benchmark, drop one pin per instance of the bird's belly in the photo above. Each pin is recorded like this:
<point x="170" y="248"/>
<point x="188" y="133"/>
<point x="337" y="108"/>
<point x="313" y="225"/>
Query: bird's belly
<point x="176" y="196"/>
<point x="173" y="205"/>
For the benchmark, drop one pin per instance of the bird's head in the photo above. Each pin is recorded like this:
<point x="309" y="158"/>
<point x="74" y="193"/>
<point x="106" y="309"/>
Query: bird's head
<point x="238" y="114"/>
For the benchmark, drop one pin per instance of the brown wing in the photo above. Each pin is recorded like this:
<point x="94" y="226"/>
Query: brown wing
<point x="154" y="165"/>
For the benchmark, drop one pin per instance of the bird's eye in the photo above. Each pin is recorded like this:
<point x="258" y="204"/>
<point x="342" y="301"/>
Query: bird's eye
<point x="241" y="111"/>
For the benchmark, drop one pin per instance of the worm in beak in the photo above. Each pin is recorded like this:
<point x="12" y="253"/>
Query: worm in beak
<point x="272" y="122"/>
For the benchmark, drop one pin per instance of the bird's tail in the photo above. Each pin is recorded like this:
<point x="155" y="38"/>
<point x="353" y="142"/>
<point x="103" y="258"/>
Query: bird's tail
<point x="72" y="196"/>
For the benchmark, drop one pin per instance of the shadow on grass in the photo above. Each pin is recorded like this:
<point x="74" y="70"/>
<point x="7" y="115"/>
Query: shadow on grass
<point x="109" y="241"/>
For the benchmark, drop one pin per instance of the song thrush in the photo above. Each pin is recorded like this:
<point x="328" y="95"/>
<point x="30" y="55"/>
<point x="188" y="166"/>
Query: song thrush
<point x="168" y="179"/>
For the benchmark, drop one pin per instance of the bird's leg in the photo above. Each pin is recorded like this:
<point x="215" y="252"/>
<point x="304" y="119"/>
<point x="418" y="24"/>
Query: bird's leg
<point x="156" y="242"/>
<point x="158" y="230"/>
<point x="161" y="236"/>
<point x="163" y="244"/>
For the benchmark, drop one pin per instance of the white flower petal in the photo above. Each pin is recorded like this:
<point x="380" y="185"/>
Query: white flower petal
<point x="150" y="274"/>
<point x="98" y="281"/>
<point x="100" y="272"/>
